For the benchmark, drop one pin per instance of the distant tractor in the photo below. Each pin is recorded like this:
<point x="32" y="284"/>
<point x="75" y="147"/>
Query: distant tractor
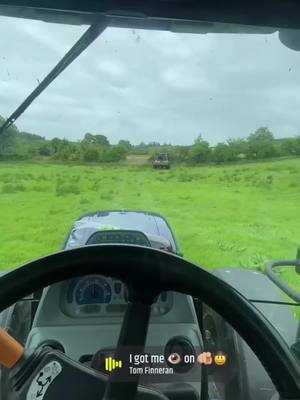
<point x="161" y="161"/>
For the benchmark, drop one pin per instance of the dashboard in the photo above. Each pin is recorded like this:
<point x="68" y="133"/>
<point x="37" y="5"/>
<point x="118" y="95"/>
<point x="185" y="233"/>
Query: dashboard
<point x="96" y="295"/>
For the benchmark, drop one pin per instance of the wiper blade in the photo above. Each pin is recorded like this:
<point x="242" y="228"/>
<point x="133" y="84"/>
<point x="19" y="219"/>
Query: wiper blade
<point x="85" y="40"/>
<point x="284" y="303"/>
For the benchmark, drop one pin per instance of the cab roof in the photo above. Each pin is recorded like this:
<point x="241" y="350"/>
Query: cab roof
<point x="158" y="14"/>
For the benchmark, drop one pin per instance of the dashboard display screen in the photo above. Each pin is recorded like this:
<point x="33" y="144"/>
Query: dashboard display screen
<point x="119" y="236"/>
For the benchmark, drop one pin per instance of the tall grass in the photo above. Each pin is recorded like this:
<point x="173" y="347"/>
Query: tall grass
<point x="227" y="216"/>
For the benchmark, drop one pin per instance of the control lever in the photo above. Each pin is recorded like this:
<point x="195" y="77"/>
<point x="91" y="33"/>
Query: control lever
<point x="11" y="351"/>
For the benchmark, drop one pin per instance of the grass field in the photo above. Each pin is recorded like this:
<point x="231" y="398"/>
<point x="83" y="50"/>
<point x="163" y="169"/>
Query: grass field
<point x="236" y="216"/>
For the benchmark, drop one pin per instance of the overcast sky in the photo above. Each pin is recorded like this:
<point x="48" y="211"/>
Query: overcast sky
<point x="150" y="86"/>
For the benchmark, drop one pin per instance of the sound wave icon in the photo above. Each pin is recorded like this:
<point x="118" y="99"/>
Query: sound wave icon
<point x="111" y="364"/>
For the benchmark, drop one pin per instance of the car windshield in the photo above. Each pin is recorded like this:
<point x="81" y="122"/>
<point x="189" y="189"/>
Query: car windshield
<point x="185" y="142"/>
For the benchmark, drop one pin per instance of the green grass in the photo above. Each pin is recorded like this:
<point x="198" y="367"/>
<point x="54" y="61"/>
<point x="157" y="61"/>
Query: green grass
<point x="233" y="216"/>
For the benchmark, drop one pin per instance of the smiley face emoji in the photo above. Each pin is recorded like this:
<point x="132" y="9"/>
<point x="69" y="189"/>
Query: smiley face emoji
<point x="220" y="358"/>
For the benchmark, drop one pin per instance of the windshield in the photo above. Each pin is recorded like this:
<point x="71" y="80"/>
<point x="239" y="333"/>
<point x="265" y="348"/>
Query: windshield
<point x="188" y="143"/>
<point x="85" y="144"/>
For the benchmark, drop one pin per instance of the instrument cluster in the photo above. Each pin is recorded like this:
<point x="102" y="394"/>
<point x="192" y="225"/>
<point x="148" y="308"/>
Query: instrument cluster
<point x="95" y="295"/>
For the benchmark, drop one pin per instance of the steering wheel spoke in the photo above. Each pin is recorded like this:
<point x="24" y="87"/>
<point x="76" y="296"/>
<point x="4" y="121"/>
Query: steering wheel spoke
<point x="132" y="336"/>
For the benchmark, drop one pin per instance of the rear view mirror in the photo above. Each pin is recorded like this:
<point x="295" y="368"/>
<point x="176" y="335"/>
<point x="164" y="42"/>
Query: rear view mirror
<point x="275" y="278"/>
<point x="290" y="38"/>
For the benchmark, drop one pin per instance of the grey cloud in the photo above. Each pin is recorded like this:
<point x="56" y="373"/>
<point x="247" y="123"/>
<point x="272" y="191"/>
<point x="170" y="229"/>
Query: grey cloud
<point x="144" y="86"/>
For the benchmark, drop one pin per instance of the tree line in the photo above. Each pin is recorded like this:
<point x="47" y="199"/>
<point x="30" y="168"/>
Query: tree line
<point x="259" y="145"/>
<point x="17" y="145"/>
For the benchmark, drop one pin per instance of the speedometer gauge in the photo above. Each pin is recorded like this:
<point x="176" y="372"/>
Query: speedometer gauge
<point x="97" y="296"/>
<point x="93" y="290"/>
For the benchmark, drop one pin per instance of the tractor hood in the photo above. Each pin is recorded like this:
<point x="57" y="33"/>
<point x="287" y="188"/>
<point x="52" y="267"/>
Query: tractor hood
<point x="154" y="226"/>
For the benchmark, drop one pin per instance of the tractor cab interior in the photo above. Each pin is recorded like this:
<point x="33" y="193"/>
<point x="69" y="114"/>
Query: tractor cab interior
<point x="117" y="312"/>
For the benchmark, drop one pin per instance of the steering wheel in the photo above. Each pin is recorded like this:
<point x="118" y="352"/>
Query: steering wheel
<point x="147" y="272"/>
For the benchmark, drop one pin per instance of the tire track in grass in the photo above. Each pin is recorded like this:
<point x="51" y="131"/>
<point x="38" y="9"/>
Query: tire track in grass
<point x="134" y="193"/>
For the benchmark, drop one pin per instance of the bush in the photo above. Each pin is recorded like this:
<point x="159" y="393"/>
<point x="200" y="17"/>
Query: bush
<point x="6" y="178"/>
<point x="91" y="155"/>
<point x="106" y="197"/>
<point x="45" y="149"/>
<point x="40" y="188"/>
<point x="64" y="189"/>
<point x="114" y="154"/>
<point x="75" y="179"/>
<point x="200" y="152"/>
<point x="84" y="201"/>
<point x="10" y="188"/>
<point x="41" y="177"/>
<point x="184" y="178"/>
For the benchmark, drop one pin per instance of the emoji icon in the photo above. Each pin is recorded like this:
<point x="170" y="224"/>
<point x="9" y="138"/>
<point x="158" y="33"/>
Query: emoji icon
<point x="220" y="358"/>
<point x="205" y="358"/>
<point x="174" y="358"/>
